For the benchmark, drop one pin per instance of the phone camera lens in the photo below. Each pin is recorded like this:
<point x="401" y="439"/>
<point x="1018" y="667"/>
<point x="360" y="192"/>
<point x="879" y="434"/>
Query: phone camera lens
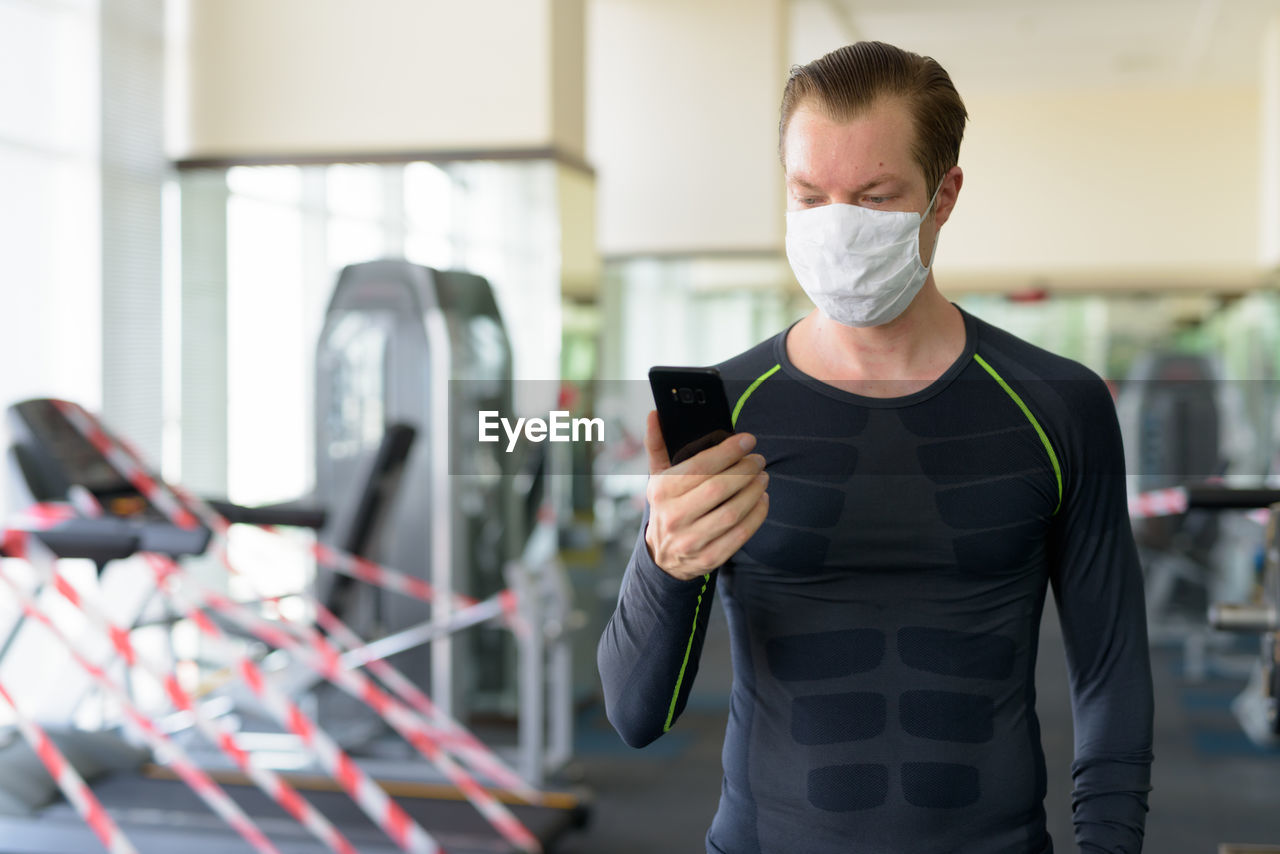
<point x="686" y="395"/>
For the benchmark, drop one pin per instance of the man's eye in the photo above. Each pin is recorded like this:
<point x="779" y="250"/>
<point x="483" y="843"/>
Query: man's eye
<point x="875" y="200"/>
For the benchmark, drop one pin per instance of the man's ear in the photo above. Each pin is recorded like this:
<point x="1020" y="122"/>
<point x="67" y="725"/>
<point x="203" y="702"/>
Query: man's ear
<point x="947" y="194"/>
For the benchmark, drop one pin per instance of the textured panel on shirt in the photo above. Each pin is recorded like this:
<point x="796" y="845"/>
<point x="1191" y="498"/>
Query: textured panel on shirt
<point x="808" y="505"/>
<point x="947" y="716"/>
<point x="787" y="548"/>
<point x="817" y="460"/>
<point x="996" y="502"/>
<point x="825" y="655"/>
<point x="986" y="408"/>
<point x="985" y="456"/>
<point x="844" y="788"/>
<point x="940" y="785"/>
<point x="833" y="718"/>
<point x="951" y="653"/>
<point x="998" y="550"/>
<point x="784" y="406"/>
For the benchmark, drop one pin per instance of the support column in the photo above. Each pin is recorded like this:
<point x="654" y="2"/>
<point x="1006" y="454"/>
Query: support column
<point x="1269" y="148"/>
<point x="134" y="168"/>
<point x="204" y="331"/>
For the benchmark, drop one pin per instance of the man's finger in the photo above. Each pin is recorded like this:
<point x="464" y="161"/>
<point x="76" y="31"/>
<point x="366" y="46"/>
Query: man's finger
<point x="704" y="494"/>
<point x="655" y="445"/>
<point x="719" y="550"/>
<point x="719" y="457"/>
<point x="715" y="522"/>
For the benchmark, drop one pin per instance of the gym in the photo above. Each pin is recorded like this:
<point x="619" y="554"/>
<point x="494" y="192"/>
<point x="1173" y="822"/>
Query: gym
<point x="349" y="348"/>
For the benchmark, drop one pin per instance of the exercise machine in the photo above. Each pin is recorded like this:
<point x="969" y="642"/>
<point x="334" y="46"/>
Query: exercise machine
<point x="148" y="806"/>
<point x="428" y="349"/>
<point x="405" y="348"/>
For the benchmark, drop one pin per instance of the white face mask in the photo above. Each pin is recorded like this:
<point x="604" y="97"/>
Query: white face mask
<point x="861" y="267"/>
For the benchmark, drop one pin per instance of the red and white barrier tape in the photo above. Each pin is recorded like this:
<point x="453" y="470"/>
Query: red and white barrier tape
<point x="369" y="572"/>
<point x="13" y="543"/>
<point x="127" y="465"/>
<point x="446" y="731"/>
<point x="1158" y="502"/>
<point x="184" y="511"/>
<point x="216" y="730"/>
<point x="453" y="735"/>
<point x="1174" y="501"/>
<point x="72" y="784"/>
<point x="365" y="570"/>
<point x="323" y="658"/>
<point x="368" y="795"/>
<point x="166" y="751"/>
<point x="503" y="604"/>
<point x="41" y="517"/>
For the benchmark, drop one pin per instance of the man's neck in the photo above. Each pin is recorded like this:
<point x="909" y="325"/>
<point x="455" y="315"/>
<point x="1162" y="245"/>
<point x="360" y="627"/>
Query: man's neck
<point x="892" y="360"/>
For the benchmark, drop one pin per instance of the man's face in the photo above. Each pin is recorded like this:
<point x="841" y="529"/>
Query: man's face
<point x="866" y="161"/>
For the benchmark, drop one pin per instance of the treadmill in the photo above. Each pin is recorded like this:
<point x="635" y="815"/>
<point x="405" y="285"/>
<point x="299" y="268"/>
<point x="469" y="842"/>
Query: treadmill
<point x="50" y="460"/>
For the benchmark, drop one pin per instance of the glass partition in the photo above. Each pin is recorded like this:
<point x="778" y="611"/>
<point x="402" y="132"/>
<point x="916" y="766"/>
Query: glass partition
<point x="291" y="230"/>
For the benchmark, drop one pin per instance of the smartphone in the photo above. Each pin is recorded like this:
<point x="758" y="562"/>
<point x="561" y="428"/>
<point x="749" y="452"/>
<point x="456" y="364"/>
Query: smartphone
<point x="693" y="410"/>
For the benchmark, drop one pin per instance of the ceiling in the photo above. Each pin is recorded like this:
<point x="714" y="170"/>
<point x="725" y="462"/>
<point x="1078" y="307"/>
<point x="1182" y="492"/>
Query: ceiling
<point x="1016" y="45"/>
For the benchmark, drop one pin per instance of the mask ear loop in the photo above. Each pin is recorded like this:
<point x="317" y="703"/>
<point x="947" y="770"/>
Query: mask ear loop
<point x="936" y="191"/>
<point x="934" y="251"/>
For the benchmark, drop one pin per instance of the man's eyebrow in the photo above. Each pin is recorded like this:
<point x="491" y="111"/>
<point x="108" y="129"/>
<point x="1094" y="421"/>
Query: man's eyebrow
<point x="882" y="178"/>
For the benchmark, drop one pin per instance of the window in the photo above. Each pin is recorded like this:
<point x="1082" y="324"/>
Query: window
<point x="49" y="219"/>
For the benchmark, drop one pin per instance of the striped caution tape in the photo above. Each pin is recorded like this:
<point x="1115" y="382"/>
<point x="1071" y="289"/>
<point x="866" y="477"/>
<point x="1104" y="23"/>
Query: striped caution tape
<point x="72" y="784"/>
<point x="439" y="727"/>
<point x="350" y="652"/>
<point x="1175" y="501"/>
<point x="127" y="465"/>
<point x="1158" y="502"/>
<point x="167" y="752"/>
<point x="376" y="804"/>
<point x="453" y="735"/>
<point x="322" y="657"/>
<point x="185" y="509"/>
<point x="13" y="542"/>
<point x="384" y="577"/>
<point x="216" y="730"/>
<point x="43" y="516"/>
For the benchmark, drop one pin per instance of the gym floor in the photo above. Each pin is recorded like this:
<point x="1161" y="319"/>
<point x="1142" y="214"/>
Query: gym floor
<point x="1211" y="784"/>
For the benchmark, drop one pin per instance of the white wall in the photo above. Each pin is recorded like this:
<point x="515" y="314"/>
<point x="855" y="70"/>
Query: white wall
<point x="325" y="76"/>
<point x="1112" y="187"/>
<point x="1154" y="187"/>
<point x="682" y="111"/>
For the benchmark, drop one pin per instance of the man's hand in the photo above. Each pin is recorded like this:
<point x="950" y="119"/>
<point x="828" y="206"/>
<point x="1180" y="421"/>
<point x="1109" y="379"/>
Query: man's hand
<point x="703" y="510"/>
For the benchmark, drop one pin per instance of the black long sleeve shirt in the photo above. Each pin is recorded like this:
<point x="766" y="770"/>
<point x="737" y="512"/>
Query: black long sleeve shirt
<point x="884" y="619"/>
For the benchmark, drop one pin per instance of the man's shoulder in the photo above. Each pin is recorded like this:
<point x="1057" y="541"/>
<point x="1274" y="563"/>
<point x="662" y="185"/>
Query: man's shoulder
<point x="746" y="367"/>
<point x="1061" y="390"/>
<point x="1003" y="349"/>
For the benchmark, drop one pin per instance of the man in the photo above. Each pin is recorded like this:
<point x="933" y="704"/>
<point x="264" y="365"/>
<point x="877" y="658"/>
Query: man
<point x="926" y="477"/>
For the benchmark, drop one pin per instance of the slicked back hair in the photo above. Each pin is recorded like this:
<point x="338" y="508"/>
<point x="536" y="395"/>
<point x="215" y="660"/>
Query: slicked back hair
<point x="848" y="81"/>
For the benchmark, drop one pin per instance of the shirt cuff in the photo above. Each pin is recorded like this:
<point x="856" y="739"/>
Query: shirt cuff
<point x="654" y="577"/>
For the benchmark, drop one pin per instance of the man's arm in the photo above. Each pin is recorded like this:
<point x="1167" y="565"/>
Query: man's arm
<point x="698" y="514"/>
<point x="1097" y="584"/>
<point x="648" y="654"/>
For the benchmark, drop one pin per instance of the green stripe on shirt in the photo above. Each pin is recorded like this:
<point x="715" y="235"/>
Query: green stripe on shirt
<point x="1053" y="458"/>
